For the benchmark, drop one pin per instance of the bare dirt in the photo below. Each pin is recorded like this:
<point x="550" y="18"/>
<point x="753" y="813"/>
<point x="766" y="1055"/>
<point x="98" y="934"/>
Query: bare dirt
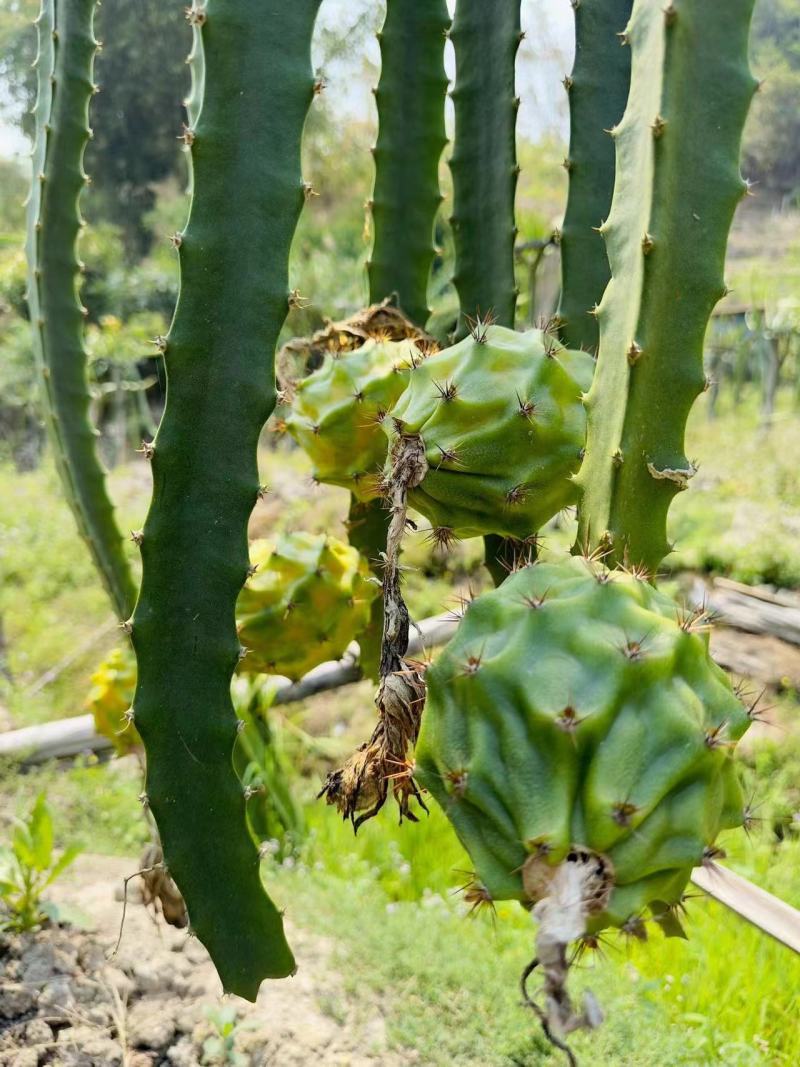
<point x="64" y="1002"/>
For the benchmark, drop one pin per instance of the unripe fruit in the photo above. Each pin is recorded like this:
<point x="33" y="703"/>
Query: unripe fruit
<point x="577" y="711"/>
<point x="337" y="412"/>
<point x="502" y="422"/>
<point x="308" y="598"/>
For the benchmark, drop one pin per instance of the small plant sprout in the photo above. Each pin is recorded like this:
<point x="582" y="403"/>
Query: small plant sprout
<point x="28" y="866"/>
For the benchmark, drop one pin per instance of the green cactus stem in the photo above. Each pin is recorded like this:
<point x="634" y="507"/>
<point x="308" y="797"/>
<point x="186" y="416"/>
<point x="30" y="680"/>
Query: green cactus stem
<point x="677" y="187"/>
<point x="367" y="528"/>
<point x="411" y="138"/>
<point x="484" y="160"/>
<point x="66" y="49"/>
<point x="248" y="194"/>
<point x="598" y="91"/>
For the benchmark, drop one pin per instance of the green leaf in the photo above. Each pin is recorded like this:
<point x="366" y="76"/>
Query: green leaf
<point x="66" y="857"/>
<point x="23" y="848"/>
<point x="41" y="832"/>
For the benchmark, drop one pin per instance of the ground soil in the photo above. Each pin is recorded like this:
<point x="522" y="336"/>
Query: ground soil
<point x="64" y="1002"/>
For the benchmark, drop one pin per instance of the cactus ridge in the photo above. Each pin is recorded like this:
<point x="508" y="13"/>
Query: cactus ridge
<point x="502" y="424"/>
<point x="195" y="16"/>
<point x="598" y="91"/>
<point x="337" y="412"/>
<point x="677" y="186"/>
<point x="64" y="73"/>
<point x="411" y="138"/>
<point x="486" y="38"/>
<point x="309" y="597"/>
<point x="247" y="196"/>
<point x="579" y="707"/>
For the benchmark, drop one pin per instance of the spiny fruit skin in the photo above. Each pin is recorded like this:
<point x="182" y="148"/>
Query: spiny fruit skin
<point x="111" y="697"/>
<point x="337" y="412"/>
<point x="578" y="707"/>
<point x="502" y="422"/>
<point x="307" y="600"/>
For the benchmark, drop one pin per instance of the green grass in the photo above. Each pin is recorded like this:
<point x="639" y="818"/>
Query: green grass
<point x="92" y="805"/>
<point x="447" y="983"/>
<point x="727" y="995"/>
<point x="51" y="603"/>
<point x="741" y="515"/>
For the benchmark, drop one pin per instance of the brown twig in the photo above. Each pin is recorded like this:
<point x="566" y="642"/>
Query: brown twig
<point x="362" y="784"/>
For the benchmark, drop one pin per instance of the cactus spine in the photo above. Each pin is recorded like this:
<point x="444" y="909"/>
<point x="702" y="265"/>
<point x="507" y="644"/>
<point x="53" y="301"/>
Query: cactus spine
<point x="248" y="193"/>
<point x="66" y="49"/>
<point x="484" y="160"/>
<point x="677" y="186"/>
<point x="598" y="91"/>
<point x="411" y="138"/>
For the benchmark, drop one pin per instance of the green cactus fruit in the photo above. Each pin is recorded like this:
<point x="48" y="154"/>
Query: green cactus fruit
<point x="307" y="599"/>
<point x="577" y="712"/>
<point x="502" y="425"/>
<point x="337" y="412"/>
<point x="111" y="697"/>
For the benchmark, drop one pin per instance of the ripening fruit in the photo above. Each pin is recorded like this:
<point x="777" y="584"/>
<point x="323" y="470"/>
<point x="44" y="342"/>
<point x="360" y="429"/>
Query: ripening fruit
<point x="111" y="697"/>
<point x="337" y="412"/>
<point x="578" y="711"/>
<point x="309" y="597"/>
<point x="503" y="425"/>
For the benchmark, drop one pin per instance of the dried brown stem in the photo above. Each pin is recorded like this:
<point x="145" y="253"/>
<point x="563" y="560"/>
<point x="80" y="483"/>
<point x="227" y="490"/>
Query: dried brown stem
<point x="362" y="784"/>
<point x="579" y="887"/>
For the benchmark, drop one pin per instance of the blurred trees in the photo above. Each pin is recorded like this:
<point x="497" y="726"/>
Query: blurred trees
<point x="772" y="143"/>
<point x="136" y="117"/>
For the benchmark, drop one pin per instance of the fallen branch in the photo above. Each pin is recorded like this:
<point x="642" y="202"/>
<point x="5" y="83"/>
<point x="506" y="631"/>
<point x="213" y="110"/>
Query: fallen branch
<point x="755" y="610"/>
<point x="770" y="914"/>
<point x="72" y="737"/>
